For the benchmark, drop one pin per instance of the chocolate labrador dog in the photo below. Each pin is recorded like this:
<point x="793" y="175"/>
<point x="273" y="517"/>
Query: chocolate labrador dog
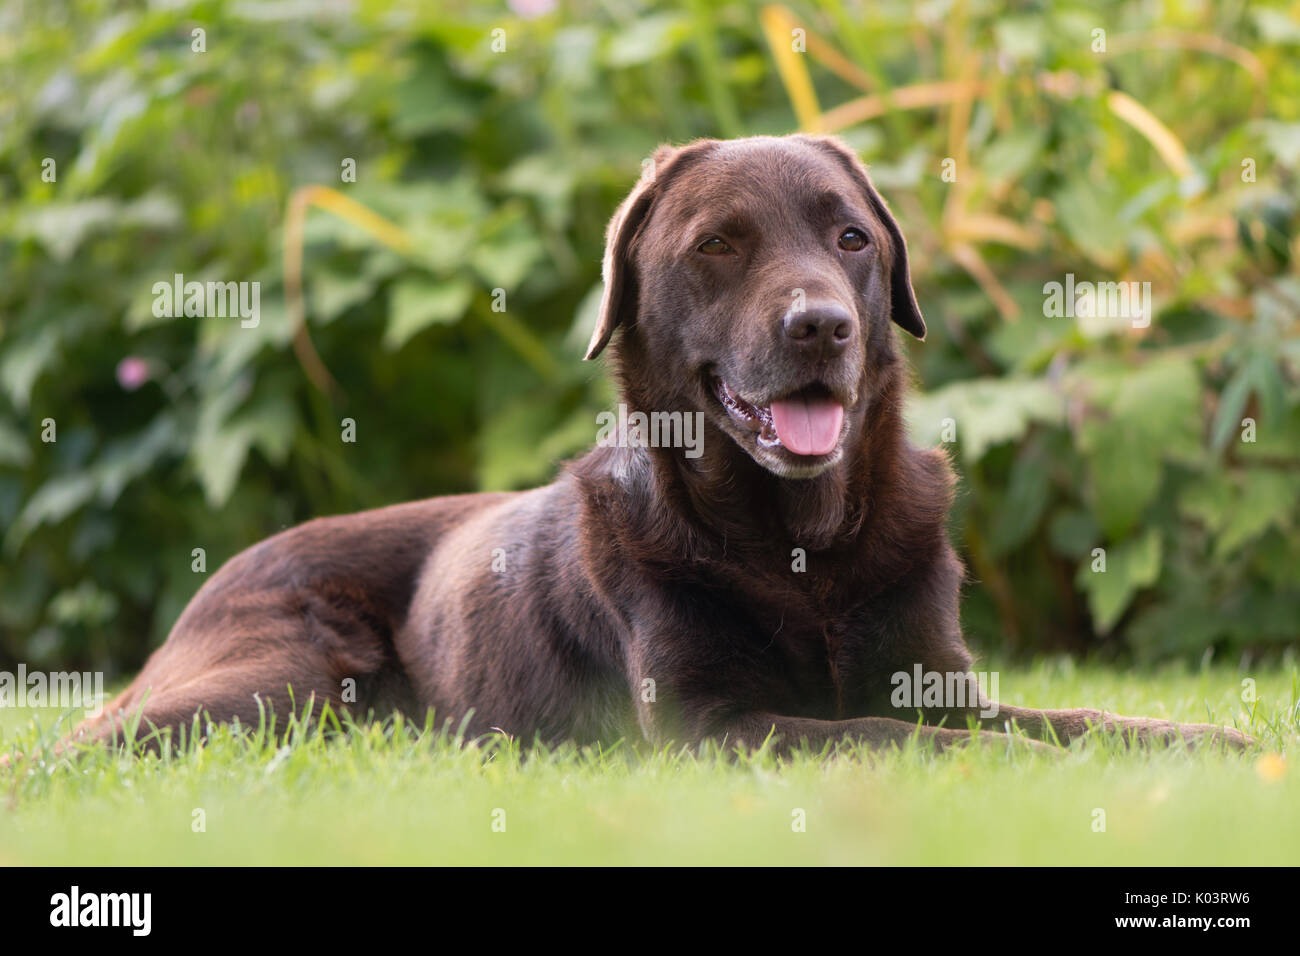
<point x="781" y="581"/>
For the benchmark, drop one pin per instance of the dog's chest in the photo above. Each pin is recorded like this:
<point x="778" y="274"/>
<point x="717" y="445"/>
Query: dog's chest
<point x="819" y="663"/>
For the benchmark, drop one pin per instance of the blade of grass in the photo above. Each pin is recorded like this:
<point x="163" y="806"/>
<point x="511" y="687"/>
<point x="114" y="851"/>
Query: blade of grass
<point x="778" y="26"/>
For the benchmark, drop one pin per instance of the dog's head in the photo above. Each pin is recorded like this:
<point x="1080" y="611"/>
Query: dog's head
<point x="756" y="280"/>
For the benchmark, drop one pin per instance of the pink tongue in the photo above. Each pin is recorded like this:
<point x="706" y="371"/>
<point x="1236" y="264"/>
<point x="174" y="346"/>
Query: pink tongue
<point x="808" y="426"/>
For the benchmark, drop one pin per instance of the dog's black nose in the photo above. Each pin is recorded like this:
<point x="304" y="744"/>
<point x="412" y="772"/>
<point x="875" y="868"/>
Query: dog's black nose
<point x="825" y="327"/>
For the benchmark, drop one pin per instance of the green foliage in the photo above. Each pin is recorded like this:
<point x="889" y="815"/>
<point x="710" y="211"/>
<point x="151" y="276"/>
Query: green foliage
<point x="498" y="171"/>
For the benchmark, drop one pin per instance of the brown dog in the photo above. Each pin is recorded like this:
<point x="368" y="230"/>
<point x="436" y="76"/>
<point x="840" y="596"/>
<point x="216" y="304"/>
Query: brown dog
<point x="774" y="582"/>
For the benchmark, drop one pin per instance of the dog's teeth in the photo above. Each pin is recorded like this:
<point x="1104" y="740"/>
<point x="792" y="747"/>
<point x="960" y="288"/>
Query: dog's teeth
<point x="742" y="412"/>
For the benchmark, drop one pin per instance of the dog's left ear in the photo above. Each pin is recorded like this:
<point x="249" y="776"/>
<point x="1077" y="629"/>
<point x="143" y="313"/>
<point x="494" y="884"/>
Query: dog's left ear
<point x="906" y="313"/>
<point x="620" y="293"/>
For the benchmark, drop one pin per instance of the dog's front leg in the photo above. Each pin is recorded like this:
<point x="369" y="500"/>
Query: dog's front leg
<point x="789" y="733"/>
<point x="696" y="679"/>
<point x="1074" y="723"/>
<point x="669" y="712"/>
<point x="1067" y="725"/>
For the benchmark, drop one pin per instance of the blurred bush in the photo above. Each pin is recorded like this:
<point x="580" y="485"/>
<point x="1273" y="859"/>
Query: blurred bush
<point x="1016" y="144"/>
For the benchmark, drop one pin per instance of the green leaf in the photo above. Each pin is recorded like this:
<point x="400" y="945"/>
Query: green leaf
<point x="128" y="459"/>
<point x="13" y="446"/>
<point x="50" y="504"/>
<point x="1022" y="506"/>
<point x="1281" y="139"/>
<point x="271" y="423"/>
<point x="549" y="181"/>
<point x="1009" y="156"/>
<point x="1123" y="476"/>
<point x="1090" y="217"/>
<point x="1232" y="402"/>
<point x="1189" y="623"/>
<point x="86" y="605"/>
<point x="521" y="443"/>
<point x="649" y="38"/>
<point x="1021" y="38"/>
<point x="1073" y="532"/>
<point x="1130" y="566"/>
<point x="23" y="363"/>
<point x="63" y="227"/>
<point x="1275" y="27"/>
<point x="1142" y="417"/>
<point x="1267" y="497"/>
<point x="1259" y="375"/>
<point x="1273" y="442"/>
<point x="220" y="447"/>
<point x="504" y="261"/>
<point x="1270" y="388"/>
<point x="1209" y="500"/>
<point x="415" y="304"/>
<point x="432" y="99"/>
<point x="986" y="412"/>
<point x="333" y="294"/>
<point x="218" y="458"/>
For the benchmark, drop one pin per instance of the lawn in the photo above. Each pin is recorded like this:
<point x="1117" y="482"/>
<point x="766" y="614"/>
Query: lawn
<point x="380" y="795"/>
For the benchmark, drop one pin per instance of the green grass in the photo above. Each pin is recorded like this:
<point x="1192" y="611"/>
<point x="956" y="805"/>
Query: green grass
<point x="378" y="796"/>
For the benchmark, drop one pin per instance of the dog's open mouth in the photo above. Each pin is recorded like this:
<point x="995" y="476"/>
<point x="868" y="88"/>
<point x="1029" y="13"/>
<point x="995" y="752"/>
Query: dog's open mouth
<point x="807" y="422"/>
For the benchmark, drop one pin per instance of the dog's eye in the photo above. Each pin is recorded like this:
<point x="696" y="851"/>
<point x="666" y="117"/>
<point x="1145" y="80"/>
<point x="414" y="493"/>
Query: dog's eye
<point x="714" y="247"/>
<point x="853" y="240"/>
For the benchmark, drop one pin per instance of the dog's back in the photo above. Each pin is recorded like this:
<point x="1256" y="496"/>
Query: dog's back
<point x="315" y="608"/>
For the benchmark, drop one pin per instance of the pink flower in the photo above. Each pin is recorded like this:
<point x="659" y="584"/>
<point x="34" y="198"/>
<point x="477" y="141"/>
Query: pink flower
<point x="531" y="9"/>
<point x="132" y="372"/>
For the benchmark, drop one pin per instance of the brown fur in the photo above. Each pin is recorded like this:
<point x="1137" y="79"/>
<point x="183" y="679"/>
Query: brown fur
<point x="643" y="564"/>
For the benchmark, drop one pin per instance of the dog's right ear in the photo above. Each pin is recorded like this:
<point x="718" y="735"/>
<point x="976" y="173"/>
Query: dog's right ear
<point x="618" y="302"/>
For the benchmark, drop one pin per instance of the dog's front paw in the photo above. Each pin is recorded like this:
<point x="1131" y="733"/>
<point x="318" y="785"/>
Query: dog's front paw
<point x="1198" y="736"/>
